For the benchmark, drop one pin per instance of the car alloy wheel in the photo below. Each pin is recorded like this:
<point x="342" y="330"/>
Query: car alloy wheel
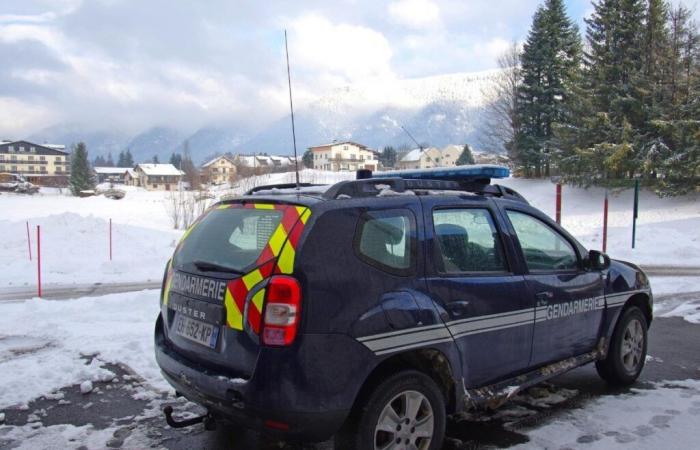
<point x="406" y="422"/>
<point x="632" y="346"/>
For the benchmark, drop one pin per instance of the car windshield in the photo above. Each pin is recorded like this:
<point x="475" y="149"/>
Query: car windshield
<point x="227" y="240"/>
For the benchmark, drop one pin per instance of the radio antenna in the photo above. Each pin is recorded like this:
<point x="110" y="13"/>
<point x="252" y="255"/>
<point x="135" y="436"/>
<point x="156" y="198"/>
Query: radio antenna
<point x="411" y="136"/>
<point x="291" y="109"/>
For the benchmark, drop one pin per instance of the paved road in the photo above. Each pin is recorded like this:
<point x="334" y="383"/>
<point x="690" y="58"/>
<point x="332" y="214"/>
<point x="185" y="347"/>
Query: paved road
<point x="673" y="350"/>
<point x="63" y="292"/>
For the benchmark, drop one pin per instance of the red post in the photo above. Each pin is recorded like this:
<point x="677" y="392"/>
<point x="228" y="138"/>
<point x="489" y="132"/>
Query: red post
<point x="29" y="242"/>
<point x="558" y="214"/>
<point x="38" y="258"/>
<point x="605" y="223"/>
<point x="110" y="239"/>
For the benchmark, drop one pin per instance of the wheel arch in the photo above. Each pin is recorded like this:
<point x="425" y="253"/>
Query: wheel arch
<point x="642" y="301"/>
<point x="430" y="361"/>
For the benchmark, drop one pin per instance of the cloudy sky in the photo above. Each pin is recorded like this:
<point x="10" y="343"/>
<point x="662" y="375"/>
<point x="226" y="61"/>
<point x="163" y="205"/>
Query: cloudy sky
<point x="131" y="64"/>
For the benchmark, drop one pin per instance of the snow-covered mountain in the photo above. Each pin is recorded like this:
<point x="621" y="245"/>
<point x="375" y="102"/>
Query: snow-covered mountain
<point x="436" y="110"/>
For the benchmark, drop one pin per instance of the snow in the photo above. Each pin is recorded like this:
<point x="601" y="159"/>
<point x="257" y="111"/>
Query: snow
<point x="160" y="169"/>
<point x="663" y="417"/>
<point x="86" y="387"/>
<point x="61" y="343"/>
<point x="111" y="170"/>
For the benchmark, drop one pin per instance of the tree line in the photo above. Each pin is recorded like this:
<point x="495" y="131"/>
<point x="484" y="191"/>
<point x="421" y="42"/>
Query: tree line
<point x="622" y="103"/>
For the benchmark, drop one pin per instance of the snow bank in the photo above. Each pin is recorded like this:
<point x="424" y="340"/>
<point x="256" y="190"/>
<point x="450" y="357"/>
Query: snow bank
<point x="46" y="345"/>
<point x="75" y="249"/>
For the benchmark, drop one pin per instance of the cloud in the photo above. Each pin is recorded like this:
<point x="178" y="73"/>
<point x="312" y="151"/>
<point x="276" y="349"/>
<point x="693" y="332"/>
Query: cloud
<point x="415" y="13"/>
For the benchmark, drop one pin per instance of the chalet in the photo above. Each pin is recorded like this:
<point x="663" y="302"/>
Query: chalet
<point x="219" y="170"/>
<point x="344" y="156"/>
<point x="163" y="177"/>
<point x="110" y="174"/>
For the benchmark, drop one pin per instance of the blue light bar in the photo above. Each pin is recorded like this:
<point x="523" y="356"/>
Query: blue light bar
<point x="459" y="173"/>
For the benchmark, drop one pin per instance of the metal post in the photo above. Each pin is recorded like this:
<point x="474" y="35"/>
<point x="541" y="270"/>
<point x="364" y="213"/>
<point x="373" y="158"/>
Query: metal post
<point x="605" y="222"/>
<point x="558" y="213"/>
<point x="110" y="239"/>
<point x="38" y="258"/>
<point x="29" y="242"/>
<point x="635" y="212"/>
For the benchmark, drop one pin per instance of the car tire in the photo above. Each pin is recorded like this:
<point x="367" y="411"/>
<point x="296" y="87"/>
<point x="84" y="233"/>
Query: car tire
<point x="628" y="349"/>
<point x="387" y="415"/>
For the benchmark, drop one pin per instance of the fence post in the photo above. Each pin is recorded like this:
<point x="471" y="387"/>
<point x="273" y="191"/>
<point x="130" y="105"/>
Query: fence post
<point x="635" y="211"/>
<point x="38" y="258"/>
<point x="558" y="213"/>
<point x="29" y="242"/>
<point x="605" y="223"/>
<point x="110" y="239"/>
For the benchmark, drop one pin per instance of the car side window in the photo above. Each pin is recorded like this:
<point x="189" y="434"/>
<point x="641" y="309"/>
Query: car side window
<point x="385" y="240"/>
<point x="544" y="249"/>
<point x="467" y="241"/>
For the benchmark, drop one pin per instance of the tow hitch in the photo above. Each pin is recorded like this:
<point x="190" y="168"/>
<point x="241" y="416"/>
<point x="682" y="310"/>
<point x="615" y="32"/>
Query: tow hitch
<point x="207" y="419"/>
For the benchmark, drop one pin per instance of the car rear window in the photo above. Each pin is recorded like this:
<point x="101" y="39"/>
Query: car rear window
<point x="385" y="239"/>
<point x="230" y="237"/>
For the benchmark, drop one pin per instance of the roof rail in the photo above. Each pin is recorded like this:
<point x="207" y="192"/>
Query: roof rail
<point x="280" y="186"/>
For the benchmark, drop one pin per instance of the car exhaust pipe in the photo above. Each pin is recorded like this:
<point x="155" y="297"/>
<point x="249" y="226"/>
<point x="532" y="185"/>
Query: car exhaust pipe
<point x="207" y="419"/>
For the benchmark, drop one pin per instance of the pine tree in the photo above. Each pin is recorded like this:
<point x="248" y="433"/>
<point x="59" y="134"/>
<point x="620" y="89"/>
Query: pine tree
<point x="99" y="161"/>
<point x="120" y="160"/>
<point x="307" y="159"/>
<point x="388" y="156"/>
<point x="110" y="161"/>
<point x="155" y="159"/>
<point x="550" y="64"/>
<point x="81" y="176"/>
<point x="465" y="157"/>
<point x="176" y="160"/>
<point x="128" y="159"/>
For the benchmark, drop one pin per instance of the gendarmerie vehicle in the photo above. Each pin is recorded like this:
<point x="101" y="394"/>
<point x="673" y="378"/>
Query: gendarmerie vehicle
<point x="372" y="309"/>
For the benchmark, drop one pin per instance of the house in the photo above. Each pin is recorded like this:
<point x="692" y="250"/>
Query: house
<point x="344" y="156"/>
<point x="42" y="164"/>
<point x="219" y="170"/>
<point x="266" y="162"/>
<point x="110" y="174"/>
<point x="163" y="177"/>
<point x="421" y="158"/>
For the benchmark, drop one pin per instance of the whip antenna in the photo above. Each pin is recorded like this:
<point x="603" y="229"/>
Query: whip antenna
<point x="291" y="109"/>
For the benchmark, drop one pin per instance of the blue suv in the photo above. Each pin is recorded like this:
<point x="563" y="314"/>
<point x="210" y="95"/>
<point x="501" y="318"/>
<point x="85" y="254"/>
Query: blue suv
<point x="371" y="309"/>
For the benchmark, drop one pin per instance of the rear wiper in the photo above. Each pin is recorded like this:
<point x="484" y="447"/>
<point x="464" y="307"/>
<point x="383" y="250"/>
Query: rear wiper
<point x="206" y="266"/>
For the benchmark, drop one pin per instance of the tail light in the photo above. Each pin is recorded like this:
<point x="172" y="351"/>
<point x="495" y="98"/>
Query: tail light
<point x="282" y="311"/>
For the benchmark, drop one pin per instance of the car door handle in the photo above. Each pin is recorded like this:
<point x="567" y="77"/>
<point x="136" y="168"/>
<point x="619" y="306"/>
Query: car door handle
<point x="458" y="307"/>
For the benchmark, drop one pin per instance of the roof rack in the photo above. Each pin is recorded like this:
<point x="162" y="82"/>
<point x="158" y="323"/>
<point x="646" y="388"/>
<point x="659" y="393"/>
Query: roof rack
<point x="280" y="186"/>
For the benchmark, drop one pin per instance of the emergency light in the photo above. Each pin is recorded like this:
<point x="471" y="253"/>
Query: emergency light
<point x="460" y="173"/>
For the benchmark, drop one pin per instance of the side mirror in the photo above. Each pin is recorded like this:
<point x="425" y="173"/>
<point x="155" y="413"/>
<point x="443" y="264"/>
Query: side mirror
<point x="598" y="260"/>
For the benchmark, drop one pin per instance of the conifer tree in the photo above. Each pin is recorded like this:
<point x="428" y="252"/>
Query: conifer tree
<point x="465" y="157"/>
<point x="81" y="176"/>
<point x="128" y="159"/>
<point x="550" y="64"/>
<point x="110" y="161"/>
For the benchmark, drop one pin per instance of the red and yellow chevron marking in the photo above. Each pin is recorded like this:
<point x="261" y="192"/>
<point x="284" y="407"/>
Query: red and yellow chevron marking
<point x="168" y="279"/>
<point x="277" y="257"/>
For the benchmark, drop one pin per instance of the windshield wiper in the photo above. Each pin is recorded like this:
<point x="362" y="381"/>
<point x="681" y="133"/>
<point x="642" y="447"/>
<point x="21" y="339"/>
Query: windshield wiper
<point x="206" y="266"/>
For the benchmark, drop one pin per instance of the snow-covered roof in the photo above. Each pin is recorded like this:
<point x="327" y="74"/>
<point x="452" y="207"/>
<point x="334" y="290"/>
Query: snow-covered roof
<point x="110" y="170"/>
<point x="413" y="155"/>
<point x="159" y="170"/>
<point x="131" y="172"/>
<point x="209" y="163"/>
<point x="339" y="143"/>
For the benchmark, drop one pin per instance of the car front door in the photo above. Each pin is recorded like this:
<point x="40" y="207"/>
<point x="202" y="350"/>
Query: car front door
<point x="470" y="273"/>
<point x="569" y="299"/>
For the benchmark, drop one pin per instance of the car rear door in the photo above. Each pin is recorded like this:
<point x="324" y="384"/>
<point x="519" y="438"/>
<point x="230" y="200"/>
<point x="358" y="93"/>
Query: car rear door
<point x="470" y="272"/>
<point x="214" y="290"/>
<point x="569" y="299"/>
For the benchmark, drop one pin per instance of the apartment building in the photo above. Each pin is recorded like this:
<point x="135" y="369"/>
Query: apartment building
<point x="344" y="156"/>
<point x="38" y="163"/>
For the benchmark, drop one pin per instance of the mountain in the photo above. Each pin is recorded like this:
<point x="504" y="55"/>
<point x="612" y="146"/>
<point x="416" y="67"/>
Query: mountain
<point x="436" y="110"/>
<point x="100" y="142"/>
<point x="157" y="141"/>
<point x="210" y="141"/>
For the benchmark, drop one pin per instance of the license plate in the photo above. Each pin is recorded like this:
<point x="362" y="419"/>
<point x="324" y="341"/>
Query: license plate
<point x="196" y="331"/>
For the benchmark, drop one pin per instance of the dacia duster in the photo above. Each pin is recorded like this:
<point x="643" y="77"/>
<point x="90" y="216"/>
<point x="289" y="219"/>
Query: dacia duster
<point x="371" y="309"/>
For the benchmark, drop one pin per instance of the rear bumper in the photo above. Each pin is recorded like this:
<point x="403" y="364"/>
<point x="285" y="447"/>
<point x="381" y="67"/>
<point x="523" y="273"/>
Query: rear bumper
<point x="235" y="399"/>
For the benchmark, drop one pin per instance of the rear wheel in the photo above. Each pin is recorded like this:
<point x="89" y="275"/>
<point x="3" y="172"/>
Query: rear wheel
<point x="406" y="411"/>
<point x="628" y="349"/>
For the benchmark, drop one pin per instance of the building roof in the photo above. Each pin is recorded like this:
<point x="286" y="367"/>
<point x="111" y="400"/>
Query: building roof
<point x="209" y="163"/>
<point x="339" y="143"/>
<point x="413" y="155"/>
<point x="160" y="170"/>
<point x="46" y="149"/>
<point x="110" y="170"/>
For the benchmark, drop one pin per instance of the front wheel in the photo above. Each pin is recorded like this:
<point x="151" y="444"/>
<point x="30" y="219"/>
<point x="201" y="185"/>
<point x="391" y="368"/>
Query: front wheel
<point x="628" y="349"/>
<point x="406" y="411"/>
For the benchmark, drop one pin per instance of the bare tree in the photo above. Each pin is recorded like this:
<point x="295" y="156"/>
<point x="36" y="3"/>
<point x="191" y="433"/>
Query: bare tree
<point x="500" y="121"/>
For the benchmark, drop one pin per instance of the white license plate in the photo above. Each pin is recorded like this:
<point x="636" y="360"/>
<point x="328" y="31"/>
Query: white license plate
<point x="196" y="331"/>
